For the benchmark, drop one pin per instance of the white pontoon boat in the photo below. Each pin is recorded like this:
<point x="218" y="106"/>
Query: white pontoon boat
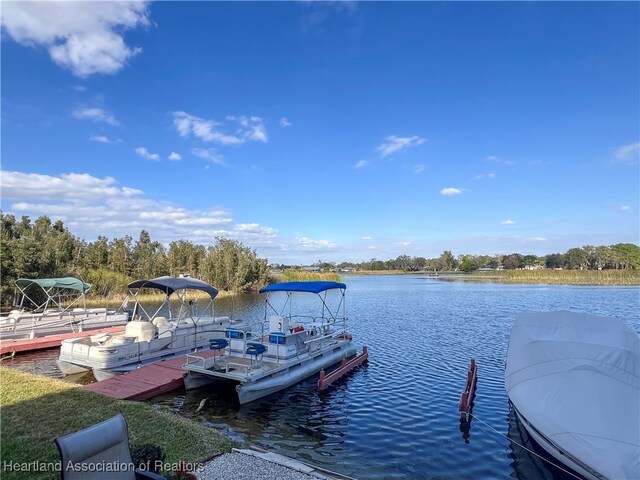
<point x="148" y="337"/>
<point x="293" y="348"/>
<point x="574" y="382"/>
<point x="52" y="306"/>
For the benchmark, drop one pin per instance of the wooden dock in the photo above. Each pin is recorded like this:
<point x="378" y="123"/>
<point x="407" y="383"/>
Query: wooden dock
<point x="147" y="381"/>
<point x="41" y="343"/>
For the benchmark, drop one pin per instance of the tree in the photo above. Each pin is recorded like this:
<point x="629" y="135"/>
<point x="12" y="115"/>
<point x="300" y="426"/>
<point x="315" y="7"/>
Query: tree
<point x="468" y="264"/>
<point x="232" y="266"/>
<point x="625" y="256"/>
<point x="576" y="258"/>
<point x="448" y="260"/>
<point x="120" y="255"/>
<point x="149" y="258"/>
<point x="554" y="260"/>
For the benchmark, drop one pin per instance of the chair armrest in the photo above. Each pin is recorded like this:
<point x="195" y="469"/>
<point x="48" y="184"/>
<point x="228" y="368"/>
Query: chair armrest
<point x="147" y="475"/>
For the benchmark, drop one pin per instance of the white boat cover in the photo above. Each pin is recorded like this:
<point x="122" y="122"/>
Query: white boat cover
<point x="576" y="379"/>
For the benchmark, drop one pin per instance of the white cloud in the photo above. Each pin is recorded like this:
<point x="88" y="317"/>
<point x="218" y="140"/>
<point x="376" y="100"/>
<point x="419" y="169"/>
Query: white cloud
<point x="625" y="208"/>
<point x="144" y="153"/>
<point x="174" y="156"/>
<point x="102" y="139"/>
<point x="450" y="191"/>
<point x="246" y="129"/>
<point x="309" y="244"/>
<point x="97" y="115"/>
<point x="395" y="144"/>
<point x="366" y="238"/>
<point x="493" y="158"/>
<point x="209" y="154"/>
<point x="508" y="222"/>
<point x="418" y="168"/>
<point x="80" y="88"/>
<point x="284" y="122"/>
<point x="91" y="206"/>
<point x="361" y="163"/>
<point x="70" y="186"/>
<point x="490" y="176"/>
<point x="538" y="239"/>
<point x="84" y="37"/>
<point x="628" y="153"/>
<point x="405" y="243"/>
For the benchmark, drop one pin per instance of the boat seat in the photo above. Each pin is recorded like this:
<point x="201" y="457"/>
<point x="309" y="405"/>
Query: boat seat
<point x="100" y="338"/>
<point x="103" y="444"/>
<point x="160" y="321"/>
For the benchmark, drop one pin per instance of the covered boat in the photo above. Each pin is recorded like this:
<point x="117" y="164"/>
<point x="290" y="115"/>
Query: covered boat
<point x="281" y="349"/>
<point x="55" y="306"/>
<point x="164" y="332"/>
<point x="574" y="382"/>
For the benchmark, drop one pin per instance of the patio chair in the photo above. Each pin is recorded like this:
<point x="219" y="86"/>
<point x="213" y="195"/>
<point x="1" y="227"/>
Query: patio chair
<point x="100" y="451"/>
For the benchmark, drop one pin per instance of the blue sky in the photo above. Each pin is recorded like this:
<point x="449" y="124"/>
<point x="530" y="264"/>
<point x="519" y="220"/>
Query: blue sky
<point x="333" y="131"/>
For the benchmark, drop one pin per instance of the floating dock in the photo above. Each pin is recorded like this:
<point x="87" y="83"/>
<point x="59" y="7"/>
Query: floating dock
<point x="327" y="379"/>
<point x="147" y="381"/>
<point x="41" y="343"/>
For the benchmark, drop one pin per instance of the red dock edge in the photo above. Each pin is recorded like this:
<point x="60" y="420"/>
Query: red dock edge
<point x="469" y="392"/>
<point x="326" y="380"/>
<point x="40" y="343"/>
<point x="148" y="380"/>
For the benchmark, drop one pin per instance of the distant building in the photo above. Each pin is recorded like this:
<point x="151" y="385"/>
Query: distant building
<point x="311" y="268"/>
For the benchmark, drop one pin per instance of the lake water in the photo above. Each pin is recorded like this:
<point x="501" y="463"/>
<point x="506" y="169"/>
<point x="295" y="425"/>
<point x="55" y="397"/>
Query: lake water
<point x="396" y="417"/>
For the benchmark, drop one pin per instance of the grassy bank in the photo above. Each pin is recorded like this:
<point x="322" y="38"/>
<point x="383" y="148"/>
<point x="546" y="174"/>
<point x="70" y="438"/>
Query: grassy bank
<point x="35" y="410"/>
<point x="553" y="277"/>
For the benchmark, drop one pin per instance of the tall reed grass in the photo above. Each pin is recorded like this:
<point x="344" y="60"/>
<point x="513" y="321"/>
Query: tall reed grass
<point x="303" y="276"/>
<point x="554" y="277"/>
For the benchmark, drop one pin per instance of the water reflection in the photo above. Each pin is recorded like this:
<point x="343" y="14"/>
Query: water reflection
<point x="397" y="416"/>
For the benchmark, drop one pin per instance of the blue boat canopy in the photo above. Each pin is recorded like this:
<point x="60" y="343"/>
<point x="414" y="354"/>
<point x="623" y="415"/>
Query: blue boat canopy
<point x="46" y="283"/>
<point x="170" y="284"/>
<point x="310" y="287"/>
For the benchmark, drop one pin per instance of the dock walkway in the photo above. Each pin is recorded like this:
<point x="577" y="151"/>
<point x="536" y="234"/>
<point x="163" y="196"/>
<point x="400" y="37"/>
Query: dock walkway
<point x="147" y="381"/>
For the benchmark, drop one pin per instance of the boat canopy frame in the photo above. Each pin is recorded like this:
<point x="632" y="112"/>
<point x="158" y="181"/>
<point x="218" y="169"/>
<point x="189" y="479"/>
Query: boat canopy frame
<point x="57" y="290"/>
<point x="320" y="288"/>
<point x="170" y="286"/>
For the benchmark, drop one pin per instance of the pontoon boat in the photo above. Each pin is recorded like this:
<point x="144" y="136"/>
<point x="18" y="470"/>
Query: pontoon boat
<point x="294" y="347"/>
<point x="55" y="310"/>
<point x="148" y="337"/>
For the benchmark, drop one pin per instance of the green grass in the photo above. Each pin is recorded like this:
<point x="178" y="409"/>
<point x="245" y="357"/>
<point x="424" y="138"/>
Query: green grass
<point x="35" y="410"/>
<point x="553" y="277"/>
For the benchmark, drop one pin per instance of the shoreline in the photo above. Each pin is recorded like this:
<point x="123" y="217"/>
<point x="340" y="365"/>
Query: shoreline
<point x="595" y="278"/>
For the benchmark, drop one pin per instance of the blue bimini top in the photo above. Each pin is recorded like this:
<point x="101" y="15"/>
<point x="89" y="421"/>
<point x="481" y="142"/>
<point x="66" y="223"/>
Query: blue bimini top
<point x="309" y="287"/>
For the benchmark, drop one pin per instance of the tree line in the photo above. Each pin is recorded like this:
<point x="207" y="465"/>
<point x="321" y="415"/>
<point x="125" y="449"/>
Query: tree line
<point x="43" y="249"/>
<point x="621" y="256"/>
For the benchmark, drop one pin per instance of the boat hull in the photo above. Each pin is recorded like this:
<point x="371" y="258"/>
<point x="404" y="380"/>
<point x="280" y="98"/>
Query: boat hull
<point x="561" y="459"/>
<point x="299" y="370"/>
<point x="68" y="368"/>
<point x="108" y="360"/>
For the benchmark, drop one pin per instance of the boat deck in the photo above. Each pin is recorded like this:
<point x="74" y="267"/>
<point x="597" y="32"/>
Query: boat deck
<point x="233" y="367"/>
<point x="50" y="341"/>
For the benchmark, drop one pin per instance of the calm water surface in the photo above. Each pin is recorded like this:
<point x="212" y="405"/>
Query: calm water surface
<point x="396" y="417"/>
